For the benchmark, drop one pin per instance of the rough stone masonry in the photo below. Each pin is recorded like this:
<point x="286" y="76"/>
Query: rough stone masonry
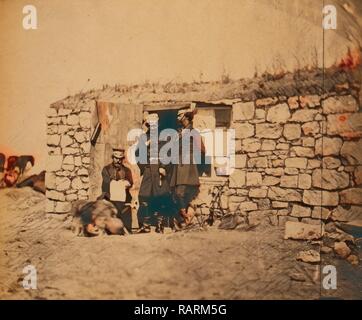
<point x="299" y="155"/>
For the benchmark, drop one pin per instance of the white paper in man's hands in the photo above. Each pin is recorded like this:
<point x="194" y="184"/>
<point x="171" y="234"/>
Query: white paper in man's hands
<point x="118" y="190"/>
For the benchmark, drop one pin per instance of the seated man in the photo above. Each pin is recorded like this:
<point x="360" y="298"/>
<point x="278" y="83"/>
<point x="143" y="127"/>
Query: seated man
<point x="117" y="179"/>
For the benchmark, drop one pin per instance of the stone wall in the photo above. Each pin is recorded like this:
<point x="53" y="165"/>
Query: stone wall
<point x="299" y="157"/>
<point x="68" y="143"/>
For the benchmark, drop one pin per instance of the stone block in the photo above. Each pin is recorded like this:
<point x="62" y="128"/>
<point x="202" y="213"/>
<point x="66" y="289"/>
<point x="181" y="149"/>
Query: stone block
<point x="50" y="180"/>
<point x="304" y="115"/>
<point x="250" y="145"/>
<point x="54" y="163"/>
<point x="348" y="125"/>
<point x="66" y="141"/>
<point x="311" y="128"/>
<point x="258" y="193"/>
<point x="308" y="142"/>
<point x="357" y="174"/>
<point x="243" y="130"/>
<point x="351" y="196"/>
<point x="268" y="145"/>
<point x="300" y="211"/>
<point x="310" y="101"/>
<point x="280" y="194"/>
<point x="289" y="181"/>
<point x="340" y="104"/>
<point x="243" y="111"/>
<point x="291" y="171"/>
<point x="72" y="120"/>
<point x="80" y="136"/>
<point x="300" y="163"/>
<point x="278" y="114"/>
<point x="320" y="198"/>
<point x="53" y="140"/>
<point x="303" y="231"/>
<point x="266" y="102"/>
<point x="55" y="195"/>
<point x="279" y="204"/>
<point x="258" y="162"/>
<point x="313" y="164"/>
<point x="304" y="181"/>
<point x="253" y="179"/>
<point x="350" y="213"/>
<point x="321" y="213"/>
<point x="268" y="130"/>
<point x="270" y="181"/>
<point x="77" y="183"/>
<point x="240" y="161"/>
<point x="237" y="179"/>
<point x="293" y="102"/>
<point x="85" y="119"/>
<point x="331" y="146"/>
<point x="292" y="131"/>
<point x="62" y="183"/>
<point x="330" y="163"/>
<point x="276" y="172"/>
<point x="330" y="179"/>
<point x="304" y="152"/>
<point x="352" y="152"/>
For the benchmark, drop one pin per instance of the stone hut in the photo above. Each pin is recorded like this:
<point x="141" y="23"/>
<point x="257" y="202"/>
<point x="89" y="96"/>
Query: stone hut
<point x="298" y="141"/>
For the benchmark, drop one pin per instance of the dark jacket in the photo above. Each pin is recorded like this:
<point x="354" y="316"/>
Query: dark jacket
<point x="110" y="172"/>
<point x="186" y="171"/>
<point x="150" y="185"/>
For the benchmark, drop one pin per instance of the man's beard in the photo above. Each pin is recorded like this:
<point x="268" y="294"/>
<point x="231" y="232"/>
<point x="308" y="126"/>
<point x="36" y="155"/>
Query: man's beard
<point x="117" y="164"/>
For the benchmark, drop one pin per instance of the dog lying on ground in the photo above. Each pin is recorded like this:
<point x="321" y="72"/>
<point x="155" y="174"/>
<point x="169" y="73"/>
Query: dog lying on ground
<point x="95" y="218"/>
<point x="36" y="181"/>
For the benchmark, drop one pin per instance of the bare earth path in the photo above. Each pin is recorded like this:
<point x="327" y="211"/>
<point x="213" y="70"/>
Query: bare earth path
<point x="212" y="264"/>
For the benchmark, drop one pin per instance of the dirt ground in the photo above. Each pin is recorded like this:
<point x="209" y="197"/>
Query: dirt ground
<point x="211" y="264"/>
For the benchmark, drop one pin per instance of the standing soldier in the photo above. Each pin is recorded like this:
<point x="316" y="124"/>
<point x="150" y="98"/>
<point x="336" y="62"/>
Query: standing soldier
<point x="185" y="176"/>
<point x="154" y="193"/>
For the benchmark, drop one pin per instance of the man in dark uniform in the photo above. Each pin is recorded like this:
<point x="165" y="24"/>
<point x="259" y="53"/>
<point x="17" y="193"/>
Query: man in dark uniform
<point x="154" y="194"/>
<point x="185" y="176"/>
<point x="117" y="179"/>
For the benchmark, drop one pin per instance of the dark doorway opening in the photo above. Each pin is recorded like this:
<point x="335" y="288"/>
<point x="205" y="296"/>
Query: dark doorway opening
<point x="167" y="119"/>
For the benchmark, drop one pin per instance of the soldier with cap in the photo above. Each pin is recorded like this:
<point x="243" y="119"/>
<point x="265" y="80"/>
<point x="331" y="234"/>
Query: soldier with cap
<point x="185" y="176"/>
<point x="154" y="194"/>
<point x="116" y="181"/>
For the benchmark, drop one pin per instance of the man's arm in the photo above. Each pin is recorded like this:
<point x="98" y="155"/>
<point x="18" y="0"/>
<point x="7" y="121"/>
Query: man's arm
<point x="106" y="180"/>
<point x="129" y="177"/>
<point x="142" y="153"/>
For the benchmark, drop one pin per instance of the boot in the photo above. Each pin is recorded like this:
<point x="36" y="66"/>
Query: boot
<point x="176" y="225"/>
<point x="145" y="226"/>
